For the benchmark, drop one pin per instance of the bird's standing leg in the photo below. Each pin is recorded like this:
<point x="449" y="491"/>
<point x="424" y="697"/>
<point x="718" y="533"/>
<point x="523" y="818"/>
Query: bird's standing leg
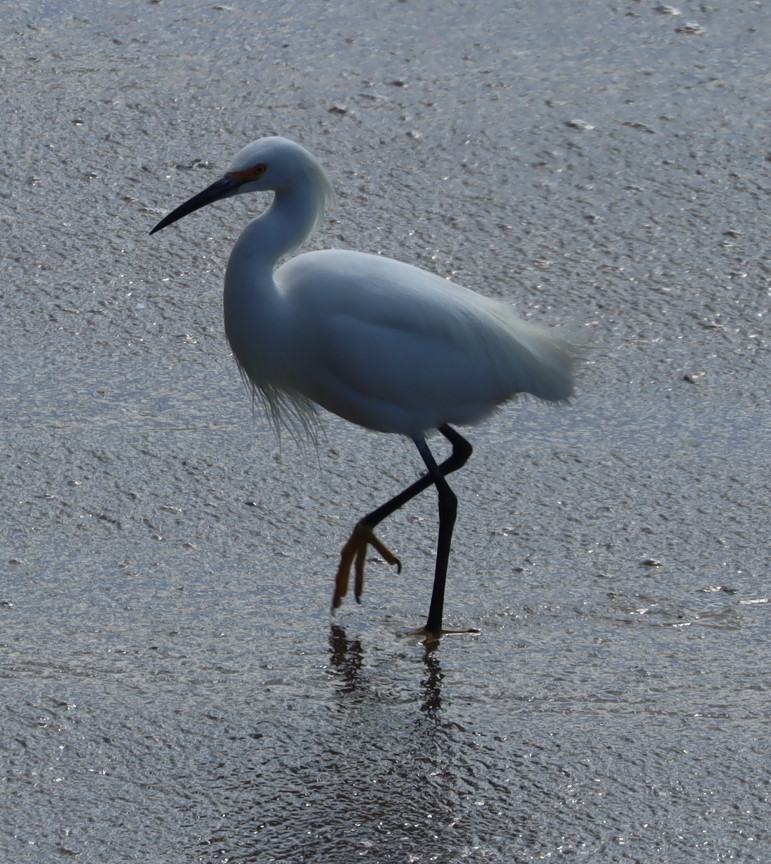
<point x="355" y="549"/>
<point x="448" y="508"/>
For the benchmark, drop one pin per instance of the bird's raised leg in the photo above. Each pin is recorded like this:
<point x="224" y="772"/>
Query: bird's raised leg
<point x="363" y="534"/>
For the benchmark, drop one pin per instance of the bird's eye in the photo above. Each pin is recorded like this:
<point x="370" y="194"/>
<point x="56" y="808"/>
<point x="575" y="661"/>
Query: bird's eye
<point x="250" y="174"/>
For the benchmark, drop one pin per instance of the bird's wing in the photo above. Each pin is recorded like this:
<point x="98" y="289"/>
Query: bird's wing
<point x="397" y="338"/>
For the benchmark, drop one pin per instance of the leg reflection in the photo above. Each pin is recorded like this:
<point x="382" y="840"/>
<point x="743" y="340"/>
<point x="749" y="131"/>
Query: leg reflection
<point x="347" y="658"/>
<point x="347" y="661"/>
<point x="432" y="683"/>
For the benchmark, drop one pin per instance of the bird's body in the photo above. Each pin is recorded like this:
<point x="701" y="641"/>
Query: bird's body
<point x="386" y="345"/>
<point x="379" y="342"/>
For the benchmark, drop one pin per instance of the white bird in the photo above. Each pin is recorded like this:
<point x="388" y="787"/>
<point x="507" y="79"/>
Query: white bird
<point x="381" y="343"/>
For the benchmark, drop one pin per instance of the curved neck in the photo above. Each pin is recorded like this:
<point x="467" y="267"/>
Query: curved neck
<point x="284" y="226"/>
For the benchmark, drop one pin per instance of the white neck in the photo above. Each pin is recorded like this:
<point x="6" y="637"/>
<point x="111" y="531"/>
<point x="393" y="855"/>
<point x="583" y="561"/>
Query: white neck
<point x="254" y="308"/>
<point x="284" y="226"/>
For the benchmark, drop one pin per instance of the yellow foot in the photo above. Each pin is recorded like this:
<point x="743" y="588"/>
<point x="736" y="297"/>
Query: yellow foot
<point x="354" y="553"/>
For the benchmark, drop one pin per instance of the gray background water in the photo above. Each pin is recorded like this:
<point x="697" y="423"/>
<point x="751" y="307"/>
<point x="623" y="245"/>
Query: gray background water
<point x="173" y="688"/>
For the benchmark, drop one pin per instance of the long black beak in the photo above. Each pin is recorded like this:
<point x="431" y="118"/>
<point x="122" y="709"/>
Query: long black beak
<point x="222" y="188"/>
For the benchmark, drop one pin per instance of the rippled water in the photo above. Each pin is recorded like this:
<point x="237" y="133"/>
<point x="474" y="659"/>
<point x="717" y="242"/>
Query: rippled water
<point x="174" y="687"/>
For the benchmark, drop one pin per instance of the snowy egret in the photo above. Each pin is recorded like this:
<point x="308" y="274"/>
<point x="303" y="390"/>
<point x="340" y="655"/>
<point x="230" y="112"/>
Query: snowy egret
<point x="381" y="343"/>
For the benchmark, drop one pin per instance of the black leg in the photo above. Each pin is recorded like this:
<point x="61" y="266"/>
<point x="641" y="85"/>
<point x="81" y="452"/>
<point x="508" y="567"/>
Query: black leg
<point x="362" y="535"/>
<point x="461" y="450"/>
<point x="448" y="508"/>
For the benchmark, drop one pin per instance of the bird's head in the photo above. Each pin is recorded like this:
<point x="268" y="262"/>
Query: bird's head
<point x="267" y="165"/>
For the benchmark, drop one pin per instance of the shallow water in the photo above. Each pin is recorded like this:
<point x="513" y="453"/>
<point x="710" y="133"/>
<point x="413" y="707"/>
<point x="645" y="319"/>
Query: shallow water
<point x="174" y="687"/>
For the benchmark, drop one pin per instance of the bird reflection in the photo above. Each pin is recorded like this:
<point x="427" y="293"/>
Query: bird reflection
<point x="347" y="659"/>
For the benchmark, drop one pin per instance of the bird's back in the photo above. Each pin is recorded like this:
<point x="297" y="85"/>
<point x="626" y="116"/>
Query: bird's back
<point x="398" y="349"/>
